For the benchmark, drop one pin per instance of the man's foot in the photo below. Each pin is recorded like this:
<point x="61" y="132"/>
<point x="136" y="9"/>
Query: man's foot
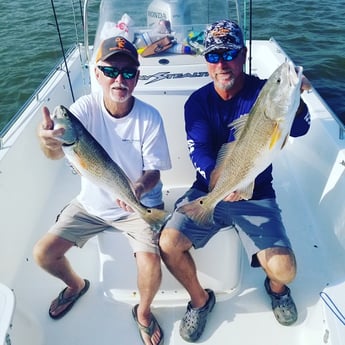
<point x="194" y="320"/>
<point x="62" y="305"/>
<point x="151" y="334"/>
<point x="283" y="306"/>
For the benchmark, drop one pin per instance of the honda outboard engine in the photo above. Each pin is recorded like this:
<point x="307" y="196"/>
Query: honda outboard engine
<point x="175" y="11"/>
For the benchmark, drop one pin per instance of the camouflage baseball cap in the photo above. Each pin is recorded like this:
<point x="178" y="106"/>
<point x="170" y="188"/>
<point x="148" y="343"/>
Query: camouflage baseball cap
<point x="223" y="35"/>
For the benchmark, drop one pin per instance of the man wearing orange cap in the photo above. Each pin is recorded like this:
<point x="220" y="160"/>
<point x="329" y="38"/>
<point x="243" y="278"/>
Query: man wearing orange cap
<point x="132" y="133"/>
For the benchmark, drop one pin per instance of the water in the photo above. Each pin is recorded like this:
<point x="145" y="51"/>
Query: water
<point x="311" y="32"/>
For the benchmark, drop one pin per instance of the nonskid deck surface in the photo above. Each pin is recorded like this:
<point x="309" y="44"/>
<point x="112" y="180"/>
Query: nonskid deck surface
<point x="97" y="319"/>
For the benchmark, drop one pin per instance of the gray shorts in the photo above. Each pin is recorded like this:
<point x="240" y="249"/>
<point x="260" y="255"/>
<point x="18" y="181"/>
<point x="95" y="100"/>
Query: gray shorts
<point x="77" y="226"/>
<point x="258" y="223"/>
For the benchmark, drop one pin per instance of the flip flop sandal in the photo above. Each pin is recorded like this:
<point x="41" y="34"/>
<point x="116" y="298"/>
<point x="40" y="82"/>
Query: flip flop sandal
<point x="150" y="329"/>
<point x="61" y="300"/>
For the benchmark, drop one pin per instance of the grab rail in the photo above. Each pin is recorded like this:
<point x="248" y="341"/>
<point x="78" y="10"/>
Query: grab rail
<point x="86" y="31"/>
<point x="341" y="126"/>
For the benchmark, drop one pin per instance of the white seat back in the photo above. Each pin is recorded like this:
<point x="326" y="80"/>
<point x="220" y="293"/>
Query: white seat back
<point x="218" y="264"/>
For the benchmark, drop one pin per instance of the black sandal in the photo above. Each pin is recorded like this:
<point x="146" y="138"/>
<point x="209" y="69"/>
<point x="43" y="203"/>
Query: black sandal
<point x="61" y="300"/>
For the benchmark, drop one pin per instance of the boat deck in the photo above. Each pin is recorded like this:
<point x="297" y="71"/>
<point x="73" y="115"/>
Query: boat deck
<point x="309" y="181"/>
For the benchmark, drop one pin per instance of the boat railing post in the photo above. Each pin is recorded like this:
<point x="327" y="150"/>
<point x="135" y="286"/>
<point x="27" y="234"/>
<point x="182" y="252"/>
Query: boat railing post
<point x="86" y="31"/>
<point x="341" y="123"/>
<point x="340" y="119"/>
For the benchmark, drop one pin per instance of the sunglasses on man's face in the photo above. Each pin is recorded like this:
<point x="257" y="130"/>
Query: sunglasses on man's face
<point x="228" y="55"/>
<point x="114" y="72"/>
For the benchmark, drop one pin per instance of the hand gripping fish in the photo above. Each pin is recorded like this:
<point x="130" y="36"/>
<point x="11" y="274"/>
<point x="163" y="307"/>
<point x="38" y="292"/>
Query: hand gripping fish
<point x="259" y="136"/>
<point x="91" y="160"/>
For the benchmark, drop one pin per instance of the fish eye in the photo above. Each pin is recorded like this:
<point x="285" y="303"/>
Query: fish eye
<point x="278" y="81"/>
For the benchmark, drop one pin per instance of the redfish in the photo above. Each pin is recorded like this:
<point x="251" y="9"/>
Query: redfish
<point x="91" y="160"/>
<point x="259" y="137"/>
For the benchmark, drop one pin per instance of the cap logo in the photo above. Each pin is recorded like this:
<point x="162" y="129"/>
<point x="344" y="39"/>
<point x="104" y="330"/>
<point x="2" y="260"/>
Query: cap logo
<point x="221" y="35"/>
<point x="120" y="43"/>
<point x="220" y="32"/>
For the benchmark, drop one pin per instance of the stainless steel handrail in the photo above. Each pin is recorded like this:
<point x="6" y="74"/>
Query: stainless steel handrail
<point x="86" y="31"/>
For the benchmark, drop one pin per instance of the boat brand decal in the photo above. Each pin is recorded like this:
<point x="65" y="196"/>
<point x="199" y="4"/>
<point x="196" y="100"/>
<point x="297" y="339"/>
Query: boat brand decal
<point x="167" y="75"/>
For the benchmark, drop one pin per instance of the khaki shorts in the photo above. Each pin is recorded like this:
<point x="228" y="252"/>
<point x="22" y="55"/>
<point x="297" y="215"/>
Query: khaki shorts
<point x="74" y="224"/>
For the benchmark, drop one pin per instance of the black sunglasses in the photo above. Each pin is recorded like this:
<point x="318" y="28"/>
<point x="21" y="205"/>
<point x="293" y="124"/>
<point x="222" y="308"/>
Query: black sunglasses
<point x="113" y="72"/>
<point x="229" y="55"/>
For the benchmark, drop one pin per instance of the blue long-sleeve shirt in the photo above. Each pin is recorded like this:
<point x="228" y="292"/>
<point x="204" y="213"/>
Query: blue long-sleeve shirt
<point x="207" y="120"/>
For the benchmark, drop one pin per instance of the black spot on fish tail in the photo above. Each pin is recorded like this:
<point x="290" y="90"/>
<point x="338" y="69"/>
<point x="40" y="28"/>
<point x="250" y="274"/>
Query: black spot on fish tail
<point x="197" y="211"/>
<point x="156" y="218"/>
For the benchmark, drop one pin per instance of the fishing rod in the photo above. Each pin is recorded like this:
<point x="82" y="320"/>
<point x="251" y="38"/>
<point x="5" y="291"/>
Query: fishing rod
<point x="63" y="50"/>
<point x="250" y="35"/>
<point x="243" y="24"/>
<point x="245" y="29"/>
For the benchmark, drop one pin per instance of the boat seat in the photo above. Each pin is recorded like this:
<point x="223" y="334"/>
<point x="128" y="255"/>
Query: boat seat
<point x="218" y="264"/>
<point x="7" y="304"/>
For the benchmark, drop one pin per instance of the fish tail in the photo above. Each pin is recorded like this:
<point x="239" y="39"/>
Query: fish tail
<point x="155" y="218"/>
<point x="198" y="211"/>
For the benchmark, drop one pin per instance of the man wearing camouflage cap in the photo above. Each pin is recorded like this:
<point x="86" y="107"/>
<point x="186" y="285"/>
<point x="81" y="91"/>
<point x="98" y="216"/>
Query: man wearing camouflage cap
<point x="208" y="113"/>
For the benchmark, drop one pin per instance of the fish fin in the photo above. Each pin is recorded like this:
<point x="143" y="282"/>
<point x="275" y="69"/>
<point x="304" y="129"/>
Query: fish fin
<point x="155" y="218"/>
<point x="80" y="160"/>
<point x="276" y="134"/>
<point x="197" y="211"/>
<point x="224" y="151"/>
<point x="73" y="168"/>
<point x="227" y="148"/>
<point x="83" y="164"/>
<point x="247" y="192"/>
<point x="239" y="124"/>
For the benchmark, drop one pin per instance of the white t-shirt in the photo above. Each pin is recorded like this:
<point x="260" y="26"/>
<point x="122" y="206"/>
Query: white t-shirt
<point x="136" y="142"/>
